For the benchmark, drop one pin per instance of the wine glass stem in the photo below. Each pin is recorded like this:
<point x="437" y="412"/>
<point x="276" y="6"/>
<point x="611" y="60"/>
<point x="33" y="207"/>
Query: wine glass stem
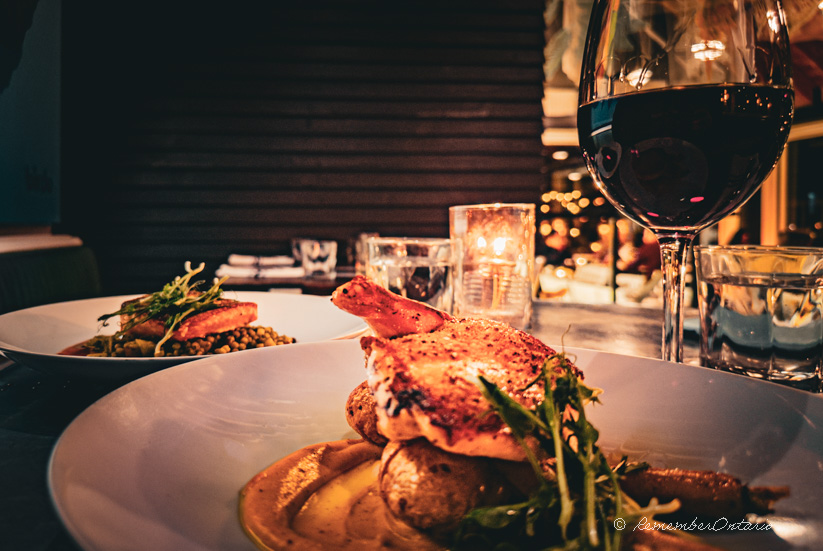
<point x="673" y="251"/>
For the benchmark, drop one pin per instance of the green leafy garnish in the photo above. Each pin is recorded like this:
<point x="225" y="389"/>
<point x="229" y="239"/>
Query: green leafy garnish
<point x="578" y="499"/>
<point x="172" y="304"/>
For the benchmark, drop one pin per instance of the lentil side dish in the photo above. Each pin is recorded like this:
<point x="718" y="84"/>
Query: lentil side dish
<point x="131" y="346"/>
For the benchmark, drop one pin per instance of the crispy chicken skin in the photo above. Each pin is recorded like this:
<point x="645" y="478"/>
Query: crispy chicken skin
<point x="426" y="384"/>
<point x="388" y="314"/>
<point x="361" y="414"/>
<point x="229" y="314"/>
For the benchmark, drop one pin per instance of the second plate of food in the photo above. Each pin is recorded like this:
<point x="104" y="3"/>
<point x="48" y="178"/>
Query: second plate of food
<point x="35" y="336"/>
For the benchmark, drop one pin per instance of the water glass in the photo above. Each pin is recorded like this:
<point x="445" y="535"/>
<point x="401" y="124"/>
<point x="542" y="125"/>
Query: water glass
<point x="319" y="258"/>
<point x="415" y="268"/>
<point x="494" y="275"/>
<point x="761" y="312"/>
<point x="361" y="251"/>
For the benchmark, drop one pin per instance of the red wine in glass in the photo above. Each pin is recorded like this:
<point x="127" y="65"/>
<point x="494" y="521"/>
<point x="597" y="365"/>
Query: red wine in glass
<point x="684" y="158"/>
<point x="684" y="109"/>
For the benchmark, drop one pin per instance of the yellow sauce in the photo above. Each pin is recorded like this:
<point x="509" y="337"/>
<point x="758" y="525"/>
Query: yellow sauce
<point x="325" y="497"/>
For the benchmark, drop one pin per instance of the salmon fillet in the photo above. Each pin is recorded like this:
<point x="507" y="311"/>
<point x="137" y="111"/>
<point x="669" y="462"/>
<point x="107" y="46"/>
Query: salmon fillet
<point x="425" y="384"/>
<point x="228" y="315"/>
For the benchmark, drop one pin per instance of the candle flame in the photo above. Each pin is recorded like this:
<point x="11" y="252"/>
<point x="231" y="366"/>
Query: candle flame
<point x="499" y="245"/>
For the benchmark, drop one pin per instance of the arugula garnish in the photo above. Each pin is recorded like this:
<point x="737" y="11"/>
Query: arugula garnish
<point x="175" y="302"/>
<point x="578" y="497"/>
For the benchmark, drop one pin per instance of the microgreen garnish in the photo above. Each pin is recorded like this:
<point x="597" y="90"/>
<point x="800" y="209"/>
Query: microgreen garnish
<point x="174" y="303"/>
<point x="578" y="498"/>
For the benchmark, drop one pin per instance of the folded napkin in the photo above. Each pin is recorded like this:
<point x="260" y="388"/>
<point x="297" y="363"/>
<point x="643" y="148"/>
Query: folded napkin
<point x="260" y="272"/>
<point x="263" y="261"/>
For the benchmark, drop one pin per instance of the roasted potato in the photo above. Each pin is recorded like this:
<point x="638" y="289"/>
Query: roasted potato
<point x="432" y="489"/>
<point x="361" y="416"/>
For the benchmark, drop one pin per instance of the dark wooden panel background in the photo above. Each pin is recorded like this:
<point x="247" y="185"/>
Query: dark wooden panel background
<point x="194" y="130"/>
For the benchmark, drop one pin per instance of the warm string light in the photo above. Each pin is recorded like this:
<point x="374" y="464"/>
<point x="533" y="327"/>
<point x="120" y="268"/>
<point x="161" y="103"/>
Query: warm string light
<point x="571" y="201"/>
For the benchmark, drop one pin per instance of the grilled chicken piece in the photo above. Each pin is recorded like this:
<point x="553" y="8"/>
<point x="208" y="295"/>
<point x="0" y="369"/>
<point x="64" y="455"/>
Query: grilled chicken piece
<point x="705" y="494"/>
<point x="426" y="384"/>
<point x="423" y="367"/>
<point x="388" y="314"/>
<point x="228" y="315"/>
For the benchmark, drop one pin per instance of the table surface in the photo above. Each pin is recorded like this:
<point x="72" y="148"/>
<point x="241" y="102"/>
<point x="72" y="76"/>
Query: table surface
<point x="35" y="408"/>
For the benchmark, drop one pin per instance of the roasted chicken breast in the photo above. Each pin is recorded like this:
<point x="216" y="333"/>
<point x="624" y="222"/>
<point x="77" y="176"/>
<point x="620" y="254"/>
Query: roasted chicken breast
<point x="423" y="367"/>
<point x="426" y="384"/>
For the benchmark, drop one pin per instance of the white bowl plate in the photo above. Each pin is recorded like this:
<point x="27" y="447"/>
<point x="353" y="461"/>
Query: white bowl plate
<point x="158" y="463"/>
<point x="34" y="336"/>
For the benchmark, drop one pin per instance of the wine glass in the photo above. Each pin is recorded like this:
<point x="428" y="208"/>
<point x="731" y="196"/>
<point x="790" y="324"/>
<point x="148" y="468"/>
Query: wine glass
<point x="685" y="106"/>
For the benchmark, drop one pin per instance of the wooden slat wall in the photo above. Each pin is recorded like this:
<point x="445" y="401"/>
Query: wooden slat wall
<point x="193" y="132"/>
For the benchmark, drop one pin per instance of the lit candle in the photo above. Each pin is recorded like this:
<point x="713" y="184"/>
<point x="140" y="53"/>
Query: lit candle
<point x="497" y="259"/>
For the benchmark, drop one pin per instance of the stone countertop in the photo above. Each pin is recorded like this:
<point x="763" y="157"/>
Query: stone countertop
<point x="632" y="331"/>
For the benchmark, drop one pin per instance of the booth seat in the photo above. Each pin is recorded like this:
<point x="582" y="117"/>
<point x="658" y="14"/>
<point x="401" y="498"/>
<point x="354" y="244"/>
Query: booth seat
<point x="46" y="275"/>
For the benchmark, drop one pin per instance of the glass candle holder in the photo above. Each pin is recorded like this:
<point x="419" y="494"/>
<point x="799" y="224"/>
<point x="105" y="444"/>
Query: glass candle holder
<point x="494" y="268"/>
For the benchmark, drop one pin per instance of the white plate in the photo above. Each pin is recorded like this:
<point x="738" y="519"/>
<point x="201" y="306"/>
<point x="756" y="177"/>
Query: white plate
<point x="34" y="336"/>
<point x="158" y="464"/>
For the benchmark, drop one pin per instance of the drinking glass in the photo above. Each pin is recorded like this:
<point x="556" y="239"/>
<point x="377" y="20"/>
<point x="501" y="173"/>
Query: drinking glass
<point x="319" y="258"/>
<point x="419" y="268"/>
<point x="761" y="311"/>
<point x="685" y="107"/>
